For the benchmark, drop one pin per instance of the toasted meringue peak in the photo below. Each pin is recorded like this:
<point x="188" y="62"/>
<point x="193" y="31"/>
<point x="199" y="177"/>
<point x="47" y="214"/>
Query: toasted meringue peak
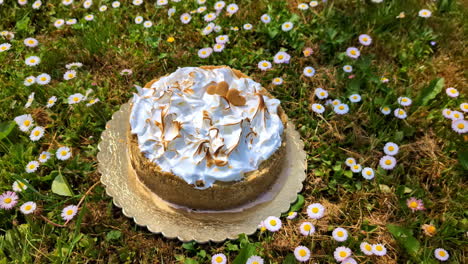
<point x="206" y="124"/>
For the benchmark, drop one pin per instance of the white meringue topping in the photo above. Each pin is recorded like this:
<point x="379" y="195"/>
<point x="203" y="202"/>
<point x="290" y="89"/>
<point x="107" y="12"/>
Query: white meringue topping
<point x="200" y="136"/>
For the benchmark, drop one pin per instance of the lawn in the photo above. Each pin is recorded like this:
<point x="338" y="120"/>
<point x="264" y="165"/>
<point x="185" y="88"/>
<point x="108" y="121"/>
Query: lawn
<point x="389" y="72"/>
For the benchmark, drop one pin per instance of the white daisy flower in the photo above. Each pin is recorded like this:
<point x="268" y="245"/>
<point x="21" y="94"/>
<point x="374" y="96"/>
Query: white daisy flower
<point x="219" y="5"/>
<point x="209" y="17"/>
<point x="51" y="101"/>
<point x="115" y="4"/>
<point x="138" y="20"/>
<point x="162" y="2"/>
<point x="342" y="253"/>
<point x="354" y="98"/>
<point x="277" y="81"/>
<point x="75" y="98"/>
<point x="44" y="157"/>
<point x="171" y="11"/>
<point x="353" y="52"/>
<point x="185" y="18"/>
<point x="302" y="253"/>
<point x="219" y="259"/>
<point x="201" y="9"/>
<point x="5" y="47"/>
<point x="272" y="223"/>
<point x="356" y="168"/>
<point x="217" y="28"/>
<point x="254" y="260"/>
<point x="441" y="254"/>
<point x="92" y="101"/>
<point x="74" y="65"/>
<point x="368" y="173"/>
<point x="315" y="211"/>
<point x="281" y="57"/>
<point x="8" y="200"/>
<point x="264" y="65"/>
<point x="67" y="2"/>
<point x="43" y="79"/>
<point x="460" y="126"/>
<point x="22" y="2"/>
<point x="335" y="102"/>
<point x="365" y="39"/>
<point x="366" y="248"/>
<point x="265" y="18"/>
<point x="464" y="107"/>
<point x="313" y="3"/>
<point x="218" y="47"/>
<point x="347" y="68"/>
<point x="377" y="1"/>
<point x="452" y="92"/>
<point x="69" y="212"/>
<point x="37" y="133"/>
<point x="321" y="93"/>
<point x="59" y="23"/>
<point x="391" y="148"/>
<point x="424" y="13"/>
<point x="30" y="100"/>
<point x="63" y="153"/>
<point x="87" y="4"/>
<point x="385" y="110"/>
<point x="387" y="162"/>
<point x="307" y="228"/>
<point x="208" y="29"/>
<point x="341" y="109"/>
<point x="19" y="186"/>
<point x="30" y="42"/>
<point x="103" y="8"/>
<point x="37" y="4"/>
<point x="302" y="6"/>
<point x="447" y="113"/>
<point x="404" y="101"/>
<point x="201" y="2"/>
<point x="32" y="60"/>
<point x="349" y="261"/>
<point x="222" y="39"/>
<point x="456" y="115"/>
<point x="32" y="166"/>
<point x="248" y="26"/>
<point x="25" y="122"/>
<point x="400" y="113"/>
<point x="309" y="71"/>
<point x="350" y="162"/>
<point x="137" y="2"/>
<point x="340" y="234"/>
<point x="30" y="80"/>
<point x="379" y="250"/>
<point x="147" y="24"/>
<point x="231" y="9"/>
<point x="205" y="52"/>
<point x="28" y="207"/>
<point x="287" y="26"/>
<point x="68" y="75"/>
<point x="318" y="108"/>
<point x="291" y="215"/>
<point x="71" y="21"/>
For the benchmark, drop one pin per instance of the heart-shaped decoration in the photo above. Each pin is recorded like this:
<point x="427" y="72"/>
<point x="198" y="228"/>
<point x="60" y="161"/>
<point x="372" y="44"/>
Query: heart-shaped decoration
<point x="222" y="88"/>
<point x="234" y="97"/>
<point x="211" y="88"/>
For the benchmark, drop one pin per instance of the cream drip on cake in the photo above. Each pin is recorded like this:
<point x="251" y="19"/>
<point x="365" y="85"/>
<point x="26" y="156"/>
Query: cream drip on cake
<point x="206" y="124"/>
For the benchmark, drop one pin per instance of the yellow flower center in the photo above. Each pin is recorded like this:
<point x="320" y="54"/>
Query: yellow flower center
<point x="424" y="13"/>
<point x="70" y="75"/>
<point x="404" y="100"/>
<point x="70" y="212"/>
<point x="353" y="52"/>
<point x="341" y="107"/>
<point x="307" y="227"/>
<point x="32" y="60"/>
<point x="280" y="57"/>
<point x="7" y="200"/>
<point x="32" y="166"/>
<point x="442" y="253"/>
<point x="335" y="102"/>
<point x="309" y="70"/>
<point x="461" y="126"/>
<point x="343" y="254"/>
<point x="273" y="222"/>
<point x="368" y="247"/>
<point x="28" y="207"/>
<point x="21" y="185"/>
<point x="76" y="99"/>
<point x="465" y="106"/>
<point x="322" y="93"/>
<point x="340" y="233"/>
<point x="388" y="162"/>
<point x="264" y="64"/>
<point x="369" y="172"/>
<point x="43" y="156"/>
<point x="302" y="252"/>
<point x="287" y="26"/>
<point x="4" y="47"/>
<point x="315" y="210"/>
<point x="401" y="112"/>
<point x="449" y="112"/>
<point x="431" y="229"/>
<point x="356" y="167"/>
<point x="413" y="204"/>
<point x="255" y="262"/>
<point x="456" y="115"/>
<point x="43" y="78"/>
<point x="379" y="248"/>
<point x="319" y="107"/>
<point x="31" y="41"/>
<point x="63" y="153"/>
<point x="170" y="39"/>
<point x="37" y="132"/>
<point x="219" y="259"/>
<point x="204" y="52"/>
<point x="26" y="122"/>
<point x="391" y="148"/>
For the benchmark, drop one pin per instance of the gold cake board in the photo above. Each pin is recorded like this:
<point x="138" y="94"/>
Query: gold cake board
<point x="158" y="216"/>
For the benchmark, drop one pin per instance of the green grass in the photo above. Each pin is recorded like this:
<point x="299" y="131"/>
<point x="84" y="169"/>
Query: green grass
<point x="432" y="163"/>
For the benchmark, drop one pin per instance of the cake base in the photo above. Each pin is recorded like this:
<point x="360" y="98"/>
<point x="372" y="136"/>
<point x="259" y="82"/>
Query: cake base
<point x="158" y="216"/>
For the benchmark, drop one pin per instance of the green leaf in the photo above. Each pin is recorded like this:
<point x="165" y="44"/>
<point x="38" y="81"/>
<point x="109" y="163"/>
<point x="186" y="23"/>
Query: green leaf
<point x="60" y="186"/>
<point x="22" y="24"/>
<point x="405" y="237"/>
<point x="463" y="158"/>
<point x="245" y="253"/>
<point x="289" y="259"/>
<point x="190" y="246"/>
<point x="430" y="92"/>
<point x="298" y="204"/>
<point x="113" y="235"/>
<point x="6" y="128"/>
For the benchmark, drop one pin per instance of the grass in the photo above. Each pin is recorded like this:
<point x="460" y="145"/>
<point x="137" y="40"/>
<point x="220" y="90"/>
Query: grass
<point x="431" y="165"/>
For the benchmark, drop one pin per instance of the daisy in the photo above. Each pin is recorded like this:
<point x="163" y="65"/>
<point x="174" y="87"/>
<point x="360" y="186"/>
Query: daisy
<point x="349" y="261"/>
<point x="387" y="162"/>
<point x="28" y="207"/>
<point x="222" y="39"/>
<point x="248" y="26"/>
<point x="391" y="148"/>
<point x="218" y="6"/>
<point x="277" y="81"/>
<point x="265" y="18"/>
<point x="43" y="79"/>
<point x="232" y="9"/>
<point x="447" y="113"/>
<point x="138" y="20"/>
<point x="22" y="2"/>
<point x="401" y="15"/>
<point x="456" y="115"/>
<point x="25" y="122"/>
<point x="302" y="253"/>
<point x="452" y="92"/>
<point x="59" y="23"/>
<point x="254" y="260"/>
<point x="217" y="28"/>
<point x="87" y="4"/>
<point x="400" y="113"/>
<point x="348" y="68"/>
<point x="162" y="2"/>
<point x="92" y="101"/>
<point x="350" y="162"/>
<point x="353" y="52"/>
<point x="102" y="8"/>
<point x="115" y="4"/>
<point x="37" y="4"/>
<point x="219" y="259"/>
<point x="32" y="166"/>
<point x="137" y="2"/>
<point x="30" y="42"/>
<point x="126" y="72"/>
<point x="313" y="3"/>
<point x="404" y="101"/>
<point x="385" y="110"/>
<point x="272" y="223"/>
<point x="315" y="211"/>
<point x="185" y="18"/>
<point x="441" y="254"/>
<point x="281" y="57"/>
<point x="264" y="65"/>
<point x="32" y="61"/>
<point x="201" y="9"/>
<point x="302" y="6"/>
<point x="71" y="21"/>
<point x="30" y="100"/>
<point x="340" y="234"/>
<point x="342" y="253"/>
<point x="147" y="24"/>
<point x="307" y="52"/>
<point x="208" y="29"/>
<point x="19" y="186"/>
<point x="384" y="79"/>
<point x="368" y="173"/>
<point x="205" y="52"/>
<point x="63" y="153"/>
<point x="68" y="75"/>
<point x="44" y="156"/>
<point x="67" y="2"/>
<point x="209" y="17"/>
<point x="356" y="168"/>
<point x="8" y="200"/>
<point x="51" y="101"/>
<point x="318" y="108"/>
<point x="69" y="212"/>
<point x="309" y="71"/>
<point x="307" y="228"/>
<point x="424" y="13"/>
<point x="5" y="47"/>
<point x="218" y="47"/>
<point x="415" y="204"/>
<point x="30" y="80"/>
<point x="460" y="126"/>
<point x="291" y="215"/>
<point x="379" y="250"/>
<point x="171" y="11"/>
<point x="354" y="98"/>
<point x="464" y="107"/>
<point x="429" y="230"/>
<point x="377" y="1"/>
<point x="365" y="39"/>
<point x="36" y="133"/>
<point x="201" y="2"/>
<point x="287" y="26"/>
<point x="341" y="109"/>
<point x="75" y="98"/>
<point x="366" y="248"/>
<point x="321" y="93"/>
<point x="74" y="65"/>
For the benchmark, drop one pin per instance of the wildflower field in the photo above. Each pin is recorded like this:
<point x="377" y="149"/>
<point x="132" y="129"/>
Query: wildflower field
<point x="376" y="88"/>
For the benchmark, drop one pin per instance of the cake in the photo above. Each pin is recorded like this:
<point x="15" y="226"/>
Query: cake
<point x="207" y="138"/>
